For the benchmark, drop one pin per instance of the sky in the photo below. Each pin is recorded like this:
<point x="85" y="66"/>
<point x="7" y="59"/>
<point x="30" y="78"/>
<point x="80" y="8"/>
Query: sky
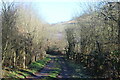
<point x="53" y="12"/>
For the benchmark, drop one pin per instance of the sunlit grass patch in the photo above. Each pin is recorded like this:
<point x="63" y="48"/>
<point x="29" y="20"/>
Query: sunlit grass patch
<point x="32" y="68"/>
<point x="54" y="73"/>
<point x="14" y="74"/>
<point x="39" y="64"/>
<point x="22" y="73"/>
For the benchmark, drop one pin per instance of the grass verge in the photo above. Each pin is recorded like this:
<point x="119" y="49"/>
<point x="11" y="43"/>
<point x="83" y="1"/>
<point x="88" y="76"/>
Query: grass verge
<point x="32" y="68"/>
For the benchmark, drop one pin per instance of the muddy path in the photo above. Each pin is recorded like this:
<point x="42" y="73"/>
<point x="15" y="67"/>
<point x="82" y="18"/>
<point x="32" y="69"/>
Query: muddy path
<point x="58" y="67"/>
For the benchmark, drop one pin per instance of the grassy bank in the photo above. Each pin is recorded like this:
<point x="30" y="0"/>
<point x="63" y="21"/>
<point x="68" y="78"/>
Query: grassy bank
<point x="23" y="73"/>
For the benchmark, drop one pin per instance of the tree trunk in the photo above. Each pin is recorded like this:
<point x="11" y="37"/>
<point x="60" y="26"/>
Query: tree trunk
<point x="98" y="47"/>
<point x="14" y="60"/>
<point x="36" y="58"/>
<point x="3" y="59"/>
<point x="33" y="58"/>
<point x="24" y="58"/>
<point x="119" y="33"/>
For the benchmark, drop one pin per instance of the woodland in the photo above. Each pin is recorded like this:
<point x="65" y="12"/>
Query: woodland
<point x="89" y="42"/>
